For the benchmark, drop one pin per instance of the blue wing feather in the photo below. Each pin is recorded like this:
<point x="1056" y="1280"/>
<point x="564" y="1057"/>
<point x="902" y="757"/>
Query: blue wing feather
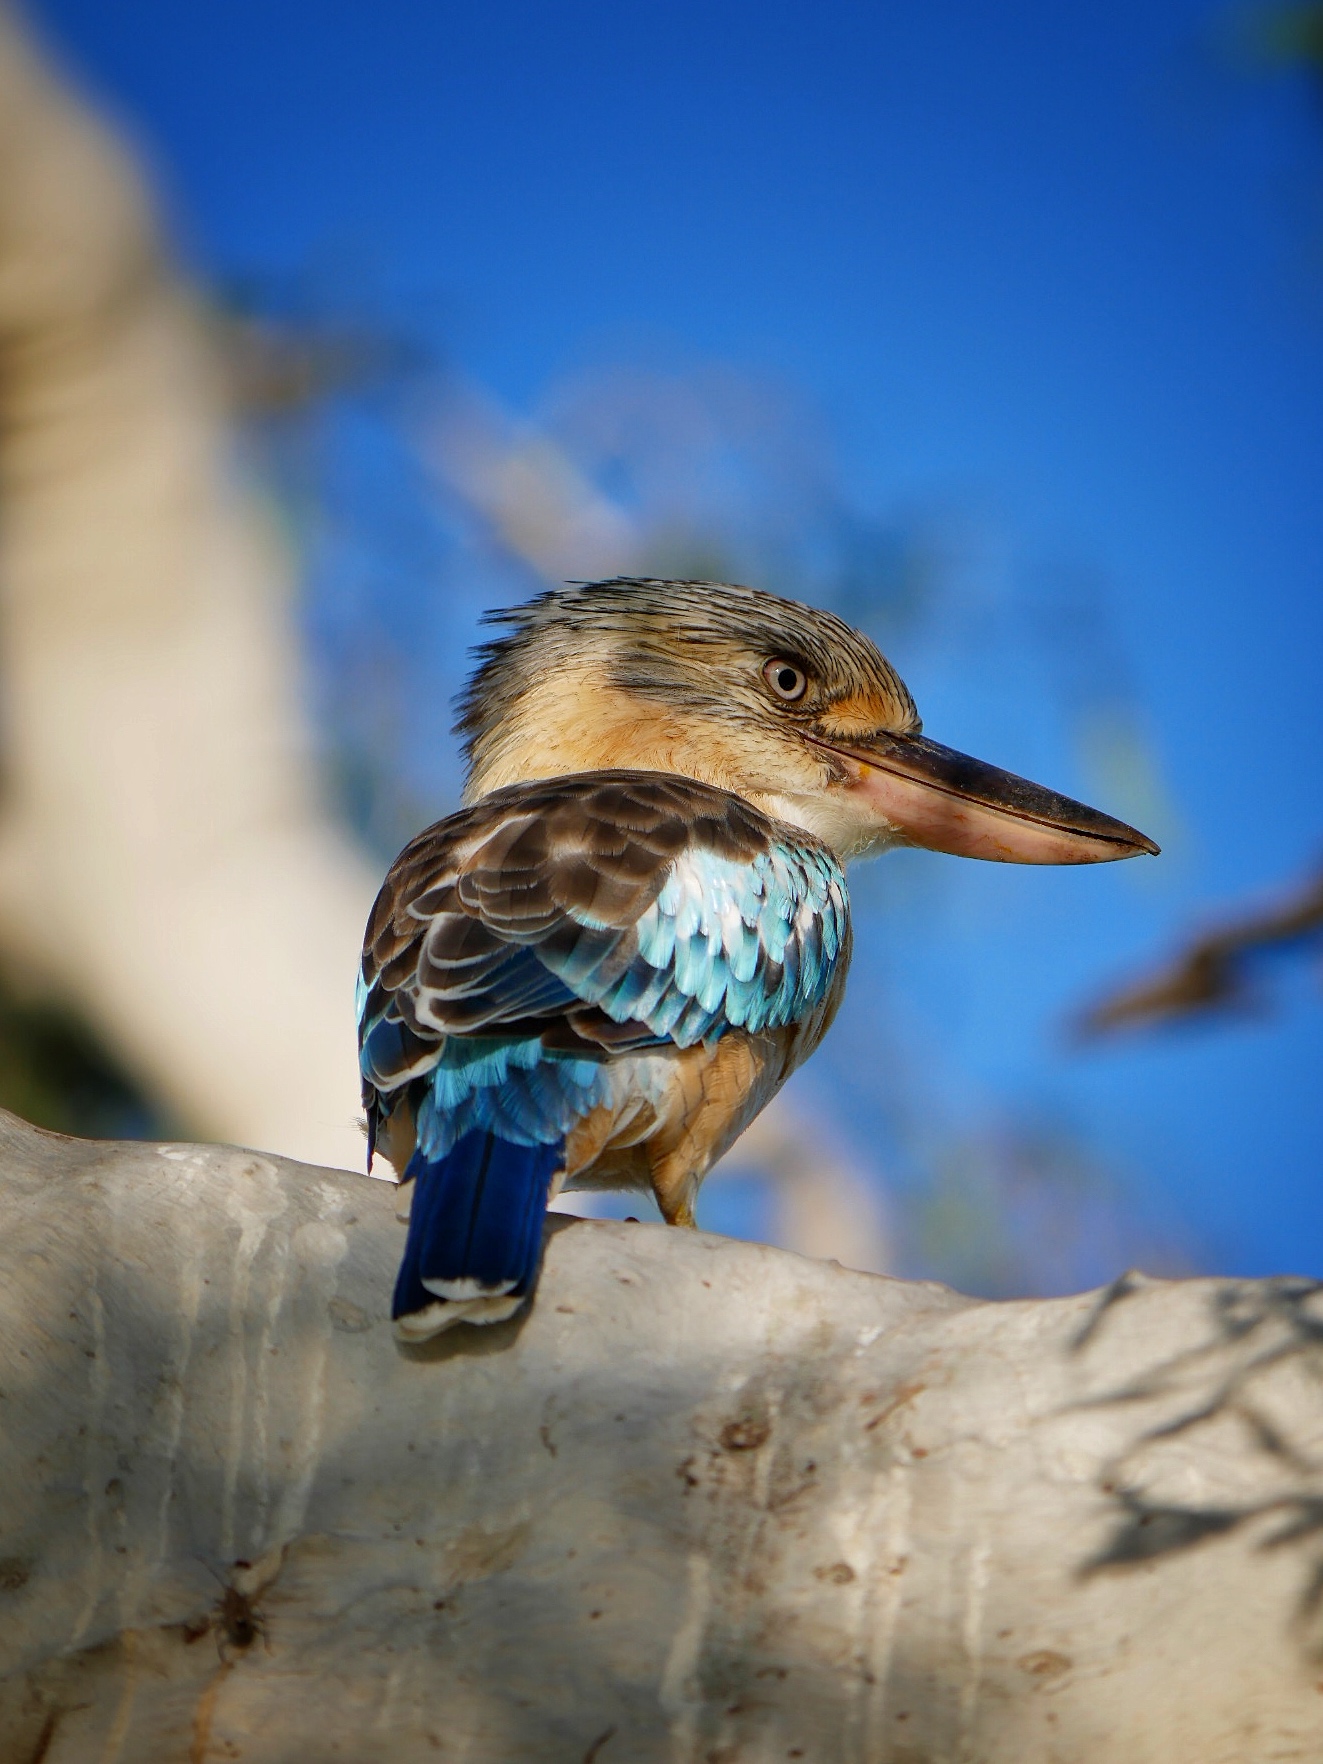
<point x="723" y="943"/>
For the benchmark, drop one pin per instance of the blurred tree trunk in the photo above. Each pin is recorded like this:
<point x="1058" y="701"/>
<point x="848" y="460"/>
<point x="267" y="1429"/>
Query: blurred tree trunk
<point x="165" y="863"/>
<point x="707" y="1501"/>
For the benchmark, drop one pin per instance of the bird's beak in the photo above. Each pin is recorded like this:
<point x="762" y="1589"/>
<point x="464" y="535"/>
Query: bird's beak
<point x="946" y="801"/>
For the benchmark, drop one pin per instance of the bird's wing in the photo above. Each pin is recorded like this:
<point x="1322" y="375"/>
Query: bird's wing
<point x="591" y="915"/>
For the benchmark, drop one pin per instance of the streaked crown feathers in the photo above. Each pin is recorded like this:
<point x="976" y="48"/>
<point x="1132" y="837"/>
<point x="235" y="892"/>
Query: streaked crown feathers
<point x="693" y="646"/>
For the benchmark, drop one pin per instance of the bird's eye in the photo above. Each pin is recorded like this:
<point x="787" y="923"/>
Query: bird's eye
<point x="787" y="680"/>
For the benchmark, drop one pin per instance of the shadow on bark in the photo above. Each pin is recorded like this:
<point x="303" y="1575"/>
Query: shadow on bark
<point x="1264" y="1337"/>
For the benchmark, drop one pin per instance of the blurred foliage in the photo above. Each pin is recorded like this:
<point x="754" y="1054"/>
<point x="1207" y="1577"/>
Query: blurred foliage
<point x="416" y="501"/>
<point x="56" y="1073"/>
<point x="1023" y="1209"/>
<point x="1065" y="616"/>
<point x="1292" y="36"/>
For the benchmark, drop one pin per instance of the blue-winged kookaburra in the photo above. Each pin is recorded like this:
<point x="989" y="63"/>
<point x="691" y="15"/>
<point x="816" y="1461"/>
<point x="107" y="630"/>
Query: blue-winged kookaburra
<point x="600" y="970"/>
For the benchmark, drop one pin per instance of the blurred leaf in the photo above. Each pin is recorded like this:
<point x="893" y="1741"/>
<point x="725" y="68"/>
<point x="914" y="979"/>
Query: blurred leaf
<point x="1023" y="1208"/>
<point x="55" y="1073"/>
<point x="1122" y="767"/>
<point x="1292" y="36"/>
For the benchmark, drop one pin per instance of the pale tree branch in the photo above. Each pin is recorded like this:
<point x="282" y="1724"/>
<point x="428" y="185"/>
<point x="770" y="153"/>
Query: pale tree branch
<point x="707" y="1500"/>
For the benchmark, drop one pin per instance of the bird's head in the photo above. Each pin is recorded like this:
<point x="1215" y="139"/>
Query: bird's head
<point x="781" y="703"/>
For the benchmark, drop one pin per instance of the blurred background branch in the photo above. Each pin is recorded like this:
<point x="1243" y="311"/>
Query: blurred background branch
<point x="1215" y="973"/>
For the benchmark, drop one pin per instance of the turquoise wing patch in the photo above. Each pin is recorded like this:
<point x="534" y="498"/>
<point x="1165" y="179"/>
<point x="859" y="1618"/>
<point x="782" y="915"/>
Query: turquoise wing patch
<point x="725" y="920"/>
<point x="729" y="945"/>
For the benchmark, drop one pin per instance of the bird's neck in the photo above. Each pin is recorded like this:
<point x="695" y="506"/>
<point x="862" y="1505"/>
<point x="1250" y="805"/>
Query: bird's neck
<point x="570" y="723"/>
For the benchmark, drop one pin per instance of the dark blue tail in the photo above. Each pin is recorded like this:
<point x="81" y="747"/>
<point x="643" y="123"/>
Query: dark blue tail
<point x="476" y="1221"/>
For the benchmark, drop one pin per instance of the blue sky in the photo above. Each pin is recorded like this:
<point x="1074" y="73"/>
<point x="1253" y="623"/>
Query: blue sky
<point x="1056" y="269"/>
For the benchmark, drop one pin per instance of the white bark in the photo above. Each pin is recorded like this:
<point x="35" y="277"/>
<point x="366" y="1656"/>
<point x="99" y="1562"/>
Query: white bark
<point x="708" y="1501"/>
<point x="165" y="862"/>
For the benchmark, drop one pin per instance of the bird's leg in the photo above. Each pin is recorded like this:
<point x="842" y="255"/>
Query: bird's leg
<point x="396" y="1134"/>
<point x="676" y="1189"/>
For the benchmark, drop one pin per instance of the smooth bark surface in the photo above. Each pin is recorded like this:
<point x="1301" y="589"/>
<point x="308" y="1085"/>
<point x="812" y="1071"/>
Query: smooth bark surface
<point x="706" y="1501"/>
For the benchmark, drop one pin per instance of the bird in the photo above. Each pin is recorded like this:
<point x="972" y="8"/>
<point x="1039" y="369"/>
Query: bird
<point x="637" y="925"/>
